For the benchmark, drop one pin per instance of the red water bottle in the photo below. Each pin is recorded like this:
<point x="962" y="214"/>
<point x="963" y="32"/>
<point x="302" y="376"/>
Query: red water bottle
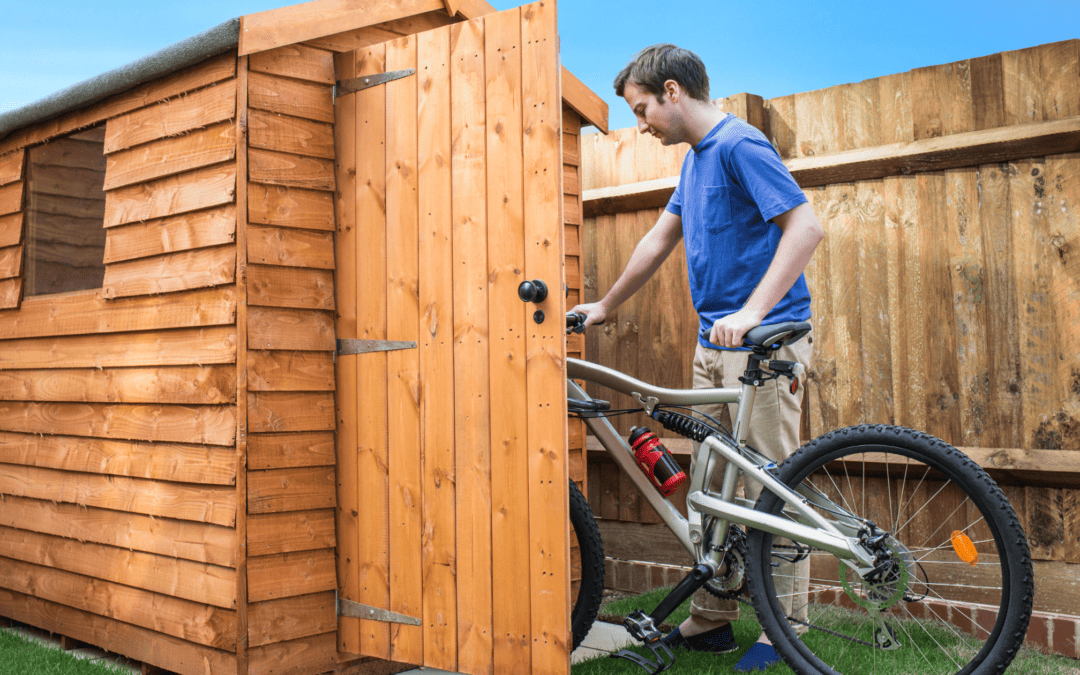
<point x="655" y="460"/>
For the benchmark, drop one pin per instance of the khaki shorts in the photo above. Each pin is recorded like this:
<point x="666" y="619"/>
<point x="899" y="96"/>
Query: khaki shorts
<point x="774" y="432"/>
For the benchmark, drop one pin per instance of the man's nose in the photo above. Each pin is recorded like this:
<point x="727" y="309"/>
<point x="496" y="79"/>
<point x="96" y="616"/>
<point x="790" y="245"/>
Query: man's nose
<point x="642" y="127"/>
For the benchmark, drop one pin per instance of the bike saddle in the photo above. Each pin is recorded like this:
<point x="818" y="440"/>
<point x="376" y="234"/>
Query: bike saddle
<point x="777" y="334"/>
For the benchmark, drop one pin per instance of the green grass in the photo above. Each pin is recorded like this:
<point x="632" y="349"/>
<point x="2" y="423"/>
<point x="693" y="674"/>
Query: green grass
<point x="747" y="630"/>
<point x="20" y="656"/>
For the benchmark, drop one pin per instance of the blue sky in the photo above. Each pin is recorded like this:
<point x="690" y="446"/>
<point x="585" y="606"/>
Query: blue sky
<point x="765" y="48"/>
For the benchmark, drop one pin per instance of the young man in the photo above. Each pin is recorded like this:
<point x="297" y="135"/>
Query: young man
<point x="749" y="233"/>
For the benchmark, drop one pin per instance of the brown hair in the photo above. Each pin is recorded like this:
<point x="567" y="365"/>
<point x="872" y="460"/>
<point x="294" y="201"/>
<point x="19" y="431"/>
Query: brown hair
<point x="654" y="65"/>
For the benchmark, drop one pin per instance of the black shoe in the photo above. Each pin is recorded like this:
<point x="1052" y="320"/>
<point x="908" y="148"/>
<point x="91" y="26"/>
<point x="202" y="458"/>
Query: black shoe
<point x="719" y="640"/>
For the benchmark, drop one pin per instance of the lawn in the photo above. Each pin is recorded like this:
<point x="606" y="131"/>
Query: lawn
<point x="747" y="630"/>
<point x="22" y="656"/>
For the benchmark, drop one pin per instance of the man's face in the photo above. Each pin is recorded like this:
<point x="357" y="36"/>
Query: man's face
<point x="659" y="118"/>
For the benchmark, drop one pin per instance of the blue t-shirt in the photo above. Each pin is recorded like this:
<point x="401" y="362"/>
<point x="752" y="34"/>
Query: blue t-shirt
<point x="731" y="185"/>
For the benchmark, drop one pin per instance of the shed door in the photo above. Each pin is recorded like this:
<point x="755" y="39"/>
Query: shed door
<point x="452" y="471"/>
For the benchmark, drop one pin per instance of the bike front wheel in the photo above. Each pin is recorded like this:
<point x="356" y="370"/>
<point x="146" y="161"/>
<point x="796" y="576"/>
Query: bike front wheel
<point x="952" y="588"/>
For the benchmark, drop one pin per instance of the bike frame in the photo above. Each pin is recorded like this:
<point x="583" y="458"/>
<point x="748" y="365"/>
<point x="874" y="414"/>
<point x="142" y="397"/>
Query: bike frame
<point x="839" y="535"/>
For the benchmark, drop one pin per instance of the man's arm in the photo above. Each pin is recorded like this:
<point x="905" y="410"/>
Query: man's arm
<point x="649" y="254"/>
<point x="801" y="234"/>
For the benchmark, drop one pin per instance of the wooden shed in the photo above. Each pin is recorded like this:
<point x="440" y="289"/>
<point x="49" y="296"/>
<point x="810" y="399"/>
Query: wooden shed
<point x="197" y="470"/>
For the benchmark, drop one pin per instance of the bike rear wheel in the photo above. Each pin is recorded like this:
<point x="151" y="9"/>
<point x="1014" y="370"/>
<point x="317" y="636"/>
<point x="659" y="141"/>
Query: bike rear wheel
<point x="586" y="566"/>
<point x="929" y="607"/>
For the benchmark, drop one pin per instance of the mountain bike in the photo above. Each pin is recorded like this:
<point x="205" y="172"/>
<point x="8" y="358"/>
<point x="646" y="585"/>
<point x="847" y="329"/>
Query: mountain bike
<point x="911" y="547"/>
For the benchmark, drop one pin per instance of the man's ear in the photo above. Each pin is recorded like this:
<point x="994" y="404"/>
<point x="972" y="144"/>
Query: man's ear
<point x="673" y="90"/>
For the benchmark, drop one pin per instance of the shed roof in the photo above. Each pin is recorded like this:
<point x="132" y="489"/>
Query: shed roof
<point x="268" y="30"/>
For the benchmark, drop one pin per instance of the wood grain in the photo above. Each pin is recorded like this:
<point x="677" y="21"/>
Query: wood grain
<point x="162" y="535"/>
<point x="290" y="287"/>
<point x="290" y="618"/>
<point x="294" y="207"/>
<point x="200" y="189"/>
<point x="202" y="229"/>
<point x="181" y="271"/>
<point x="290" y="371"/>
<point x="210" y="425"/>
<point x="292" y="489"/>
<point x="198" y="109"/>
<point x="169" y="156"/>
<point x="290" y="574"/>
<point x="198" y="582"/>
<point x="290" y="134"/>
<point x="275" y="533"/>
<point x="296" y="61"/>
<point x="291" y="97"/>
<point x="273" y="328"/>
<point x="290" y="411"/>
<point x="290" y="248"/>
<point x="196" y="346"/>
<point x="277" y="168"/>
<point x="204" y="504"/>
<point x="176" y="462"/>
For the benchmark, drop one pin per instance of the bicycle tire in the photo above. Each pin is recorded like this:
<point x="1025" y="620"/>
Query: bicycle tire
<point x="927" y="593"/>
<point x="587" y="585"/>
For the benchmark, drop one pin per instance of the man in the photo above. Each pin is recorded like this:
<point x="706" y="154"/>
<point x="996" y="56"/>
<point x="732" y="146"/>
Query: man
<point x="749" y="233"/>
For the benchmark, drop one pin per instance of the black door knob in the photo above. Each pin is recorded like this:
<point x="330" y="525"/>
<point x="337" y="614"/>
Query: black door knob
<point x="532" y="291"/>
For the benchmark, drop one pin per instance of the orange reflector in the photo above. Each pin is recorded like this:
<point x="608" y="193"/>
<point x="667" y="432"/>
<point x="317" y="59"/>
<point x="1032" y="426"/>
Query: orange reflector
<point x="965" y="548"/>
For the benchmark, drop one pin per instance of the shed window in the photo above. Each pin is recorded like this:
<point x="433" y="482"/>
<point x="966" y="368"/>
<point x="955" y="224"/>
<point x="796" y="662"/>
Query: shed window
<point x="65" y="214"/>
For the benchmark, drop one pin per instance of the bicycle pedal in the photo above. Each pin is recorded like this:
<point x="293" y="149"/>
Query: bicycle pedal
<point x="665" y="658"/>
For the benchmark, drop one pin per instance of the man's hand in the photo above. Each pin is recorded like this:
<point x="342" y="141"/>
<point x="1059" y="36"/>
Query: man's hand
<point x="594" y="313"/>
<point x="728" y="331"/>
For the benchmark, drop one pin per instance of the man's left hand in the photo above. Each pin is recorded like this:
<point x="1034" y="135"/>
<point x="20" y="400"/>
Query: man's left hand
<point x="728" y="331"/>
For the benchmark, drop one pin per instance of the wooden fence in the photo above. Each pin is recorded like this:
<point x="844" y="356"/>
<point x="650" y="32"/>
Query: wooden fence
<point x="945" y="294"/>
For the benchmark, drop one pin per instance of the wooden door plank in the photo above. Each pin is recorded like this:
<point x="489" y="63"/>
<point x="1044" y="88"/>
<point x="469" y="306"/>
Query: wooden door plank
<point x="371" y="317"/>
<point x="282" y="450"/>
<point x="195" y="346"/>
<point x="296" y="207"/>
<point x="204" y="424"/>
<point x="296" y="61"/>
<point x="274" y="533"/>
<point x="290" y="134"/>
<point x="290" y="248"/>
<point x="290" y="287"/>
<point x="278" y="168"/>
<point x="403" y="367"/>
<point x="204" y="504"/>
<point x="436" y="348"/>
<point x="198" y="109"/>
<point x="1063" y="194"/>
<point x="205" y="584"/>
<point x="196" y="384"/>
<point x="348" y="510"/>
<point x="169" y="537"/>
<point x="873" y="289"/>
<point x="472" y="414"/>
<point x="545" y="343"/>
<point x="176" y="462"/>
<point x="172" y="272"/>
<point x="168" y="156"/>
<point x="199" y="189"/>
<point x="506" y="262"/>
<point x="203" y="229"/>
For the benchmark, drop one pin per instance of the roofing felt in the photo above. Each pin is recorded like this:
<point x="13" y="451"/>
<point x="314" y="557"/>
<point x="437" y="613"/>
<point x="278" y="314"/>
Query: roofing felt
<point x="188" y="52"/>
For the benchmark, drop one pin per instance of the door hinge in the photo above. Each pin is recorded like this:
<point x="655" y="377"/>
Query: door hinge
<point x="355" y="84"/>
<point x="360" y="611"/>
<point x="347" y="346"/>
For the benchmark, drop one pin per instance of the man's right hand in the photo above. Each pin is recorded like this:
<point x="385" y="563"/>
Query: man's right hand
<point x="594" y="313"/>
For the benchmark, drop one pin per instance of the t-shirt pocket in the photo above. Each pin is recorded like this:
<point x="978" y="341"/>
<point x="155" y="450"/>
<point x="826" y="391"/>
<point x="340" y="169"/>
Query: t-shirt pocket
<point x="716" y="208"/>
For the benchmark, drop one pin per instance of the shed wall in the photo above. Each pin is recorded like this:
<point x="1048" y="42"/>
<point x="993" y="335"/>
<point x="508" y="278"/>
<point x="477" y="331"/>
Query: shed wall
<point x="943" y="300"/>
<point x="118" y="407"/>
